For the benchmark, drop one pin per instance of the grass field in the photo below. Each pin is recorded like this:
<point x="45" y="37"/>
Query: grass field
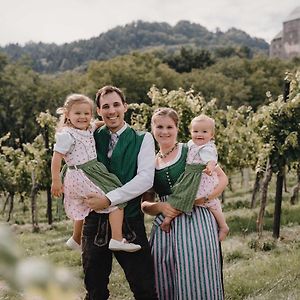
<point x="253" y="268"/>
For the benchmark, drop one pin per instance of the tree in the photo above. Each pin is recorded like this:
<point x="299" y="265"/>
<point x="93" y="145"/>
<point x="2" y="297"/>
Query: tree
<point x="134" y="74"/>
<point x="230" y="51"/>
<point x="20" y="103"/>
<point x="188" y="59"/>
<point x="39" y="155"/>
<point x="25" y="171"/>
<point x="14" y="175"/>
<point x="278" y="126"/>
<point x="25" y="93"/>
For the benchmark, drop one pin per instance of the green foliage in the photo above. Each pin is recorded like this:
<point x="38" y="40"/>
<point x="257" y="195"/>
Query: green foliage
<point x="188" y="59"/>
<point x="186" y="104"/>
<point x="19" y="103"/>
<point x="237" y="145"/>
<point x="24" y="94"/>
<point x="134" y="74"/>
<point x="278" y="127"/>
<point x="230" y="51"/>
<point x="232" y="82"/>
<point x="38" y="153"/>
<point x="239" y="81"/>
<point x="14" y="176"/>
<point x="24" y="171"/>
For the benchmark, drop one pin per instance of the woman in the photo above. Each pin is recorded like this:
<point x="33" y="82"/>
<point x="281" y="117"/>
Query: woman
<point x="187" y="259"/>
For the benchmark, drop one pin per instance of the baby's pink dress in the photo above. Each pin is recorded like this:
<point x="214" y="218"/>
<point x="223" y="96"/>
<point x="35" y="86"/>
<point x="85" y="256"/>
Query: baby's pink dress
<point x="78" y="147"/>
<point x="202" y="155"/>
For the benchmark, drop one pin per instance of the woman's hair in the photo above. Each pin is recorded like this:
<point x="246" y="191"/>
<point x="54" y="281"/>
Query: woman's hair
<point x="66" y="108"/>
<point x="204" y="117"/>
<point x="107" y="90"/>
<point x="165" y="112"/>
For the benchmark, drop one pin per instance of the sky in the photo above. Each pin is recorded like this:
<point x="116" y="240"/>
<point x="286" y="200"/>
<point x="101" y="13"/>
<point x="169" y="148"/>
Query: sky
<point x="64" y="21"/>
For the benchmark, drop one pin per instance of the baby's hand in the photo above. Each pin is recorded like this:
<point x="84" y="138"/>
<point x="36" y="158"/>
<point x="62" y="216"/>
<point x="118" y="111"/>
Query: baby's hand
<point x="210" y="167"/>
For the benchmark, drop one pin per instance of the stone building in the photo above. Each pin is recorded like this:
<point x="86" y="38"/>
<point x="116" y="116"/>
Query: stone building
<point x="286" y="44"/>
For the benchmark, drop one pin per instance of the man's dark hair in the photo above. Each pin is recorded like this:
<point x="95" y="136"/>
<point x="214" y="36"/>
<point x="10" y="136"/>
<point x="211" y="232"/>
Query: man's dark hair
<point x="107" y="90"/>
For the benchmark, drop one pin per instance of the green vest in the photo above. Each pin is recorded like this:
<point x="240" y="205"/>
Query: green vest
<point x="165" y="178"/>
<point x="123" y="161"/>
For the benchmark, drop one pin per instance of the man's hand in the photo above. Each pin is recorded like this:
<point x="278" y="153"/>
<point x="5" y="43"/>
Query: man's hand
<point x="148" y="196"/>
<point x="98" y="123"/>
<point x="96" y="201"/>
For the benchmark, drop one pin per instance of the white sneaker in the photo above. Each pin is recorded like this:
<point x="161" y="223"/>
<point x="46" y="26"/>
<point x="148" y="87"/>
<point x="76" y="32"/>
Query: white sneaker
<point x="123" y="245"/>
<point x="72" y="244"/>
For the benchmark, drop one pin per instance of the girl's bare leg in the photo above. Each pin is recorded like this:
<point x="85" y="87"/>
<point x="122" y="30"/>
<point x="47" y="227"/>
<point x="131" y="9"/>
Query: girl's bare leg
<point x="117" y="242"/>
<point x="77" y="231"/>
<point x="74" y="242"/>
<point x="116" y="222"/>
<point x="220" y="218"/>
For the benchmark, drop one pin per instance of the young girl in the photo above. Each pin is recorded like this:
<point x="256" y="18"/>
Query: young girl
<point x="199" y="173"/>
<point x="75" y="144"/>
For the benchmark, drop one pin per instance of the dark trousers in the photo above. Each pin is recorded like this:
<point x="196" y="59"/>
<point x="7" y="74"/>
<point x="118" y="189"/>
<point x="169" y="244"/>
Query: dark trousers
<point x="97" y="258"/>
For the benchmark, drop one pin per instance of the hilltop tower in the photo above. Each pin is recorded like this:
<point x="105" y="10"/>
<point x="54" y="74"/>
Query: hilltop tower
<point x="286" y="44"/>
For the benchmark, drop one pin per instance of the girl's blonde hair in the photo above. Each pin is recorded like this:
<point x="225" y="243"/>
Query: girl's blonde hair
<point x="204" y="117"/>
<point x="66" y="108"/>
<point x="165" y="112"/>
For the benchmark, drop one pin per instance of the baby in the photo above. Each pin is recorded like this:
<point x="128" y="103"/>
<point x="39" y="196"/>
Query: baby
<point x="201" y="162"/>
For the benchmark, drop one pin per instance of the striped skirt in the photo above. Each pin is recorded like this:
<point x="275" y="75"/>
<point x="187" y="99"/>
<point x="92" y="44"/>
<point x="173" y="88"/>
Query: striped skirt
<point x="187" y="260"/>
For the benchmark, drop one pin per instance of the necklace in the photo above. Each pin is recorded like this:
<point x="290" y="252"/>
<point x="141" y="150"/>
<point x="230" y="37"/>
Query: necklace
<point x="164" y="155"/>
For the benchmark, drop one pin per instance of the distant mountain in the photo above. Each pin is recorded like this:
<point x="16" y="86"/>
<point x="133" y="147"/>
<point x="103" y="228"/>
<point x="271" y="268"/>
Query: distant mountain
<point x="121" y="40"/>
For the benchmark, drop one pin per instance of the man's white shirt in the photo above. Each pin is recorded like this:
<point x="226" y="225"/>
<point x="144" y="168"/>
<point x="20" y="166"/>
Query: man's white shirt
<point x="144" y="177"/>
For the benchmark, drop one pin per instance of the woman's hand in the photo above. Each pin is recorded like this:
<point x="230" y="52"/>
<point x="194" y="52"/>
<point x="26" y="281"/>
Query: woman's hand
<point x="155" y="208"/>
<point x="168" y="211"/>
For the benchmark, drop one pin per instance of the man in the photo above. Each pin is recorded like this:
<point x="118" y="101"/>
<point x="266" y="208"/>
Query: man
<point x="132" y="159"/>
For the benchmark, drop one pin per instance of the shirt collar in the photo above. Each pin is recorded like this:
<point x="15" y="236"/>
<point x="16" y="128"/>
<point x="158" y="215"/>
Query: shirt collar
<point x="120" y="131"/>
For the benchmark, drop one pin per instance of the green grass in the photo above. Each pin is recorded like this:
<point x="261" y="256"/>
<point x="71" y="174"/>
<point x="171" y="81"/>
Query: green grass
<point x="253" y="268"/>
<point x="260" y="272"/>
